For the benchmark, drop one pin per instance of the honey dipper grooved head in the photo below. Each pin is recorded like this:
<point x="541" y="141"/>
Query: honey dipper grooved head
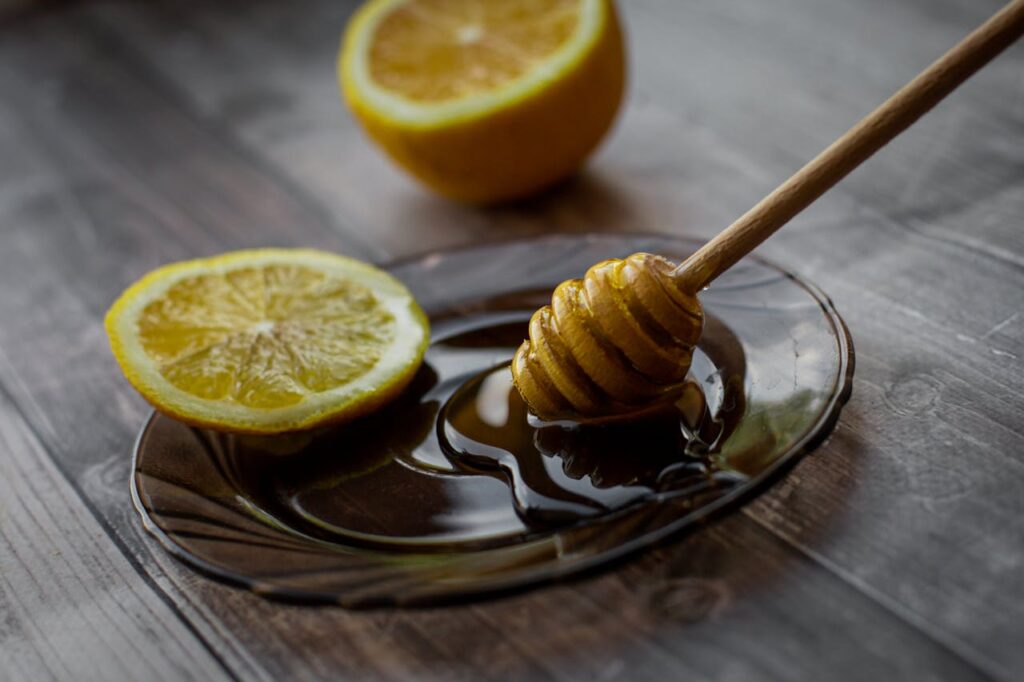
<point x="612" y="344"/>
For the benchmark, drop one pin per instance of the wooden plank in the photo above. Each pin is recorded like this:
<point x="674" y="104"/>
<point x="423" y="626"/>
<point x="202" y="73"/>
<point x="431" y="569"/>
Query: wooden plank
<point x="171" y="172"/>
<point x="73" y="392"/>
<point x="934" y="220"/>
<point x="72" y="608"/>
<point x="922" y="507"/>
<point x="84" y="213"/>
<point x="798" y="74"/>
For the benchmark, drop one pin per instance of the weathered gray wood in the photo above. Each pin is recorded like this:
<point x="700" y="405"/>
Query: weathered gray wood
<point x="72" y="608"/>
<point x="147" y="132"/>
<point x="577" y="630"/>
<point x="919" y="217"/>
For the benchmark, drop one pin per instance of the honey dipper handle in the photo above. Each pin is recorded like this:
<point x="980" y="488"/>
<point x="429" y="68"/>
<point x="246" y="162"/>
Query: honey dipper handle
<point x="854" y="147"/>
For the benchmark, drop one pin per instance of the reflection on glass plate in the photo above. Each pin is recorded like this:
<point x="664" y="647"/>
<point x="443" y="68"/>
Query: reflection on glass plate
<point x="454" y="490"/>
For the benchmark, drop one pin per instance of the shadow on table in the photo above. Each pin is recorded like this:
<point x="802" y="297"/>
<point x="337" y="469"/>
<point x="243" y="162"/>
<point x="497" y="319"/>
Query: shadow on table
<point x="589" y="201"/>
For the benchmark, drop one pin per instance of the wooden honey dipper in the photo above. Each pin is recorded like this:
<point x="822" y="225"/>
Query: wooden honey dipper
<point x="620" y="341"/>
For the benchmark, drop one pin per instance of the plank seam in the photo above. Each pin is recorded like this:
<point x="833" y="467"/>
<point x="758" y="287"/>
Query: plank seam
<point x="955" y="647"/>
<point x="136" y="565"/>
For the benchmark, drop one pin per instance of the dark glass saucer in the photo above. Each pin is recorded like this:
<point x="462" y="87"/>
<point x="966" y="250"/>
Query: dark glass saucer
<point x="453" y="490"/>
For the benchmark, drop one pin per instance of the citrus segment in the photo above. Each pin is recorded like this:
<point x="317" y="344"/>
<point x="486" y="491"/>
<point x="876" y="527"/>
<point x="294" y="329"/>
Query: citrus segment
<point x="431" y="51"/>
<point x="268" y="340"/>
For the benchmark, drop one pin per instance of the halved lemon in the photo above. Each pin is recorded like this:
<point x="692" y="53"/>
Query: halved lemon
<point x="484" y="100"/>
<point x="269" y="340"/>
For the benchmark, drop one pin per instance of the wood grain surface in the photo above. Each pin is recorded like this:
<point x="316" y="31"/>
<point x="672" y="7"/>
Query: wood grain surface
<point x="132" y="134"/>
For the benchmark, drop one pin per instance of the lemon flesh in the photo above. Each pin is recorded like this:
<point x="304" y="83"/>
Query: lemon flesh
<point x="442" y="51"/>
<point x="269" y="340"/>
<point x="484" y="100"/>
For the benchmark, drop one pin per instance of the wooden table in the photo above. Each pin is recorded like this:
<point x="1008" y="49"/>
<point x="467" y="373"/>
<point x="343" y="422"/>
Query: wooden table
<point x="133" y="134"/>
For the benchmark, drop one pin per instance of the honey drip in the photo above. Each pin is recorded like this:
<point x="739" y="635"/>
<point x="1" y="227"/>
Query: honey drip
<point x="563" y="472"/>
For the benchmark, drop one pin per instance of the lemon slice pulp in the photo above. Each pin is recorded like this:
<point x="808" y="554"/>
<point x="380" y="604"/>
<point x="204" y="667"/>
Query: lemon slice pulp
<point x="269" y="340"/>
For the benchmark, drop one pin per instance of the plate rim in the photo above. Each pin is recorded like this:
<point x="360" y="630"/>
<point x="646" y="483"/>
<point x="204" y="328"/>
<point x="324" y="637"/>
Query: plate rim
<point x="813" y="437"/>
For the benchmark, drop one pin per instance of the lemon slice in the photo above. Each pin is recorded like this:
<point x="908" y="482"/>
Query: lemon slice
<point x="484" y="100"/>
<point x="269" y="340"/>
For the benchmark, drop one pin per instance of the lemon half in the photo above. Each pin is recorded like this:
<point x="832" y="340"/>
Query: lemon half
<point x="485" y="100"/>
<point x="269" y="340"/>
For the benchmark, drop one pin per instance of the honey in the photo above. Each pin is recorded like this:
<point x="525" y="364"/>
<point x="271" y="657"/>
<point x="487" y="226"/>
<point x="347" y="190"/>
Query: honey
<point x="564" y="472"/>
<point x="459" y="461"/>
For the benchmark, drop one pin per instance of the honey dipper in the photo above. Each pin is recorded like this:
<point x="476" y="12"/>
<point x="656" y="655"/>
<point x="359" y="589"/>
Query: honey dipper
<point x="620" y="340"/>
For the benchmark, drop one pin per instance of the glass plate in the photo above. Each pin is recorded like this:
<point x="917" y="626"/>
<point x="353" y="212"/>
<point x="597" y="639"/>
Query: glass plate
<point x="396" y="508"/>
